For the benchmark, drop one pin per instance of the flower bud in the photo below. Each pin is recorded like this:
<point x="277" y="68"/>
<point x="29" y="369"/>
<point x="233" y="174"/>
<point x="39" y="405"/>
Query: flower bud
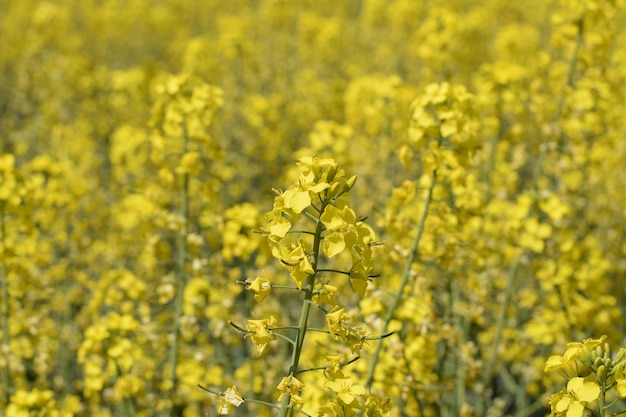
<point x="601" y="373"/>
<point x="598" y="351"/>
<point x="349" y="184"/>
<point x="609" y="366"/>
<point x="332" y="171"/>
<point x="334" y="188"/>
<point x="597" y="362"/>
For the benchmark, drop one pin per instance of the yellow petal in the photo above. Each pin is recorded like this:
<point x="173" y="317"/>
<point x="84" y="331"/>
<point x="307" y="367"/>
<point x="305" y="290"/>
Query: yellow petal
<point x="575" y="409"/>
<point x="562" y="405"/>
<point x="298" y="201"/>
<point x="554" y="362"/>
<point x="334" y="244"/>
<point x="590" y="391"/>
<point x="279" y="227"/>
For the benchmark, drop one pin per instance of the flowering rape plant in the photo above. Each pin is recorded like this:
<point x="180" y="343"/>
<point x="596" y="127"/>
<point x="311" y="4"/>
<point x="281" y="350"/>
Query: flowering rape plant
<point x="318" y="203"/>
<point x="595" y="379"/>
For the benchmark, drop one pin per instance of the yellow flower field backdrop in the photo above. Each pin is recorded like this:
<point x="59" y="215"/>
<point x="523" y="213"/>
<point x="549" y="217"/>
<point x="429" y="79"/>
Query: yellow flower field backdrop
<point x="435" y="190"/>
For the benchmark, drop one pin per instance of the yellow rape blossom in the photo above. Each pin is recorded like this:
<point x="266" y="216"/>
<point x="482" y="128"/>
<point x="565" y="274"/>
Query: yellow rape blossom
<point x="298" y="197"/>
<point x="345" y="389"/>
<point x="277" y="225"/>
<point x="343" y="230"/>
<point x="294" y="257"/>
<point x="314" y="179"/>
<point x="336" y="321"/>
<point x="333" y="367"/>
<point x="579" y="392"/>
<point x="620" y="380"/>
<point x="260" y="286"/>
<point x="325" y="294"/>
<point x="260" y="334"/>
<point x="576" y="356"/>
<point x="231" y="397"/>
<point x="290" y="385"/>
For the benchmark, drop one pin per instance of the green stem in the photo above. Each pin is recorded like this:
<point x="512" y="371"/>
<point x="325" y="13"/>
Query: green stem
<point x="493" y="151"/>
<point x="460" y="367"/>
<point x="493" y="355"/>
<point x="308" y="289"/>
<point x="181" y="277"/>
<point x="6" y="377"/>
<point x="65" y="356"/>
<point x="405" y="279"/>
<point x="602" y="399"/>
<point x="571" y="71"/>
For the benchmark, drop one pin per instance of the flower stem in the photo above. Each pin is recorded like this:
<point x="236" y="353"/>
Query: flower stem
<point x="602" y="399"/>
<point x="405" y="279"/>
<point x="181" y="277"/>
<point x="493" y="355"/>
<point x="308" y="289"/>
<point x="6" y="377"/>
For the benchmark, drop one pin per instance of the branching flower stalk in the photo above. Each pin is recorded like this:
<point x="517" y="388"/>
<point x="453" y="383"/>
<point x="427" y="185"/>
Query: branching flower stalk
<point x="443" y="130"/>
<point x="318" y="196"/>
<point x="184" y="108"/>
<point x="304" y="314"/>
<point x="501" y="320"/>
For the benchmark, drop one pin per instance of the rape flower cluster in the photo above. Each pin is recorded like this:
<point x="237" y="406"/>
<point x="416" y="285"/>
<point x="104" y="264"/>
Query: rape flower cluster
<point x="595" y="378"/>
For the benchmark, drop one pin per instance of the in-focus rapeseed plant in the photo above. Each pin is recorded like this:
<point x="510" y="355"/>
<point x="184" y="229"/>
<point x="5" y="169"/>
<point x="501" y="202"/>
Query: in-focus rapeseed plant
<point x="595" y="379"/>
<point x="318" y="196"/>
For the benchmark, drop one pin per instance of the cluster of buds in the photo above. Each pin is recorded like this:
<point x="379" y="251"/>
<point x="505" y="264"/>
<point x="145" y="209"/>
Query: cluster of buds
<point x="594" y="377"/>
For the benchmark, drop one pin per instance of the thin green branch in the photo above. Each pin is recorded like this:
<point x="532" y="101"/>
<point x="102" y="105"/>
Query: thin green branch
<point x="283" y="328"/>
<point x="236" y="326"/>
<point x="181" y="278"/>
<point x="249" y="400"/>
<point x="306" y="232"/>
<point x="285" y="287"/>
<point x="310" y="216"/>
<point x="602" y="398"/>
<point x="335" y="271"/>
<point x="6" y="376"/>
<point x="379" y="337"/>
<point x="501" y="320"/>
<point x="280" y="286"/>
<point x="316" y="209"/>
<point x="308" y="288"/>
<point x="405" y="279"/>
<point x="320" y="368"/>
<point x="285" y="338"/>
